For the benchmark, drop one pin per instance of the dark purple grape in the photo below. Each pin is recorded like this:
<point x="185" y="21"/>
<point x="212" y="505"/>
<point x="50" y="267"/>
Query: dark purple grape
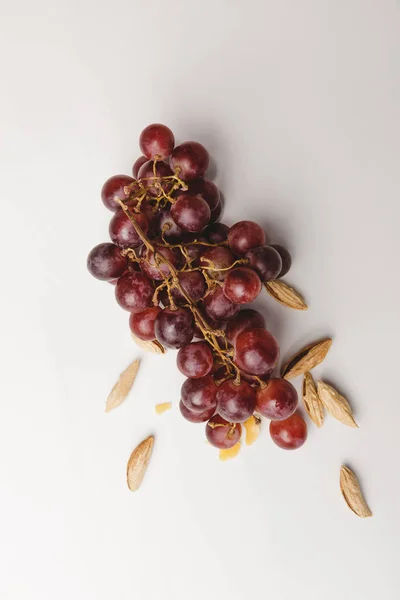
<point x="123" y="233"/>
<point x="216" y="212"/>
<point x="146" y="174"/>
<point x="217" y="258"/>
<point x="222" y="434"/>
<point x="193" y="284"/>
<point x="218" y="307"/>
<point x="156" y="141"/>
<point x="167" y="226"/>
<point x="195" y="416"/>
<point x="256" y="351"/>
<point x="246" y="319"/>
<point x="194" y="252"/>
<point x="277" y="400"/>
<point x="106" y="262"/>
<point x="190" y="213"/>
<point x="160" y="270"/>
<point x="236" y="402"/>
<point x="137" y="164"/>
<point x="242" y="285"/>
<point x="118" y="186"/>
<point x="190" y="161"/>
<point x="142" y="323"/>
<point x="216" y="233"/>
<point x="134" y="291"/>
<point x="289" y="434"/>
<point x="195" y="360"/>
<point x="266" y="261"/>
<point x="285" y="257"/>
<point x="244" y="236"/>
<point x="199" y="394"/>
<point x="207" y="190"/>
<point x="174" y="328"/>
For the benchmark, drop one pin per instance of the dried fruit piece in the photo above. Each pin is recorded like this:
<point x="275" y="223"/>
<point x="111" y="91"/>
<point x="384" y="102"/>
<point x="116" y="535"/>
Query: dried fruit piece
<point x="252" y="427"/>
<point x="161" y="408"/>
<point x="336" y="404"/>
<point x="352" y="494"/>
<point x="285" y="294"/>
<point x="311" y="400"/>
<point x="123" y="386"/>
<point x="137" y="463"/>
<point x="228" y="453"/>
<point x="153" y="346"/>
<point x="307" y="358"/>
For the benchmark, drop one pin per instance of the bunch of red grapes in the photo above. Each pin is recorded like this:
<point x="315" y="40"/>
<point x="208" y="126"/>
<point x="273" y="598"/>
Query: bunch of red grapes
<point x="184" y="278"/>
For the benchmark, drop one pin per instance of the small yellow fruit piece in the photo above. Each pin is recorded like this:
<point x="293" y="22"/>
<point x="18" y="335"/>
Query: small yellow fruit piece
<point x="161" y="408"/>
<point x="228" y="453"/>
<point x="252" y="427"/>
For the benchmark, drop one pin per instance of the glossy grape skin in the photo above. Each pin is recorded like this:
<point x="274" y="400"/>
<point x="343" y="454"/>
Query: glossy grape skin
<point x="236" y="403"/>
<point x="159" y="271"/>
<point x="225" y="435"/>
<point x="246" y="319"/>
<point x="216" y="212"/>
<point x="167" y="226"/>
<point x="199" y="394"/>
<point x="156" y="140"/>
<point x="195" y="416"/>
<point x="137" y="164"/>
<point x="193" y="284"/>
<point x="277" y="400"/>
<point x="286" y="259"/>
<point x="134" y="291"/>
<point x="218" y="257"/>
<point x="195" y="360"/>
<point x="190" y="161"/>
<point x="106" y="262"/>
<point x="142" y="323"/>
<point x="191" y="213"/>
<point x="174" y="328"/>
<point x="256" y="351"/>
<point x="207" y="190"/>
<point x="146" y="173"/>
<point x="266" y="261"/>
<point x="216" y="233"/>
<point x="242" y="285"/>
<point x="289" y="434"/>
<point x="123" y="233"/>
<point x="115" y="186"/>
<point x="245" y="235"/>
<point x="218" y="307"/>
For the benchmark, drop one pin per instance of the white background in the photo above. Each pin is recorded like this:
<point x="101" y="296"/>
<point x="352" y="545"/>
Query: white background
<point x="298" y="103"/>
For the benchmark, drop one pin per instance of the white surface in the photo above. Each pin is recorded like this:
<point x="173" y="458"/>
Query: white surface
<point x="298" y="103"/>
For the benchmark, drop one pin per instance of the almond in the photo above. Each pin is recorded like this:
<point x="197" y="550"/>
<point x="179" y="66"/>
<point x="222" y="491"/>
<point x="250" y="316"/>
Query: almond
<point x="138" y="462"/>
<point x="123" y="386"/>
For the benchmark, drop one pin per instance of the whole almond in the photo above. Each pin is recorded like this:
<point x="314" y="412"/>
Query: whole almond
<point x="286" y="295"/>
<point x="306" y="359"/>
<point x="138" y="462"/>
<point x="123" y="386"/>
<point x="352" y="494"/>
<point x="336" y="404"/>
<point x="311" y="400"/>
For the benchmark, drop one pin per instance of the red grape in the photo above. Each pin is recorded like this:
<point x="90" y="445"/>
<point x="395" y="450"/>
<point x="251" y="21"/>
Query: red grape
<point x="174" y="328"/>
<point x="277" y="400"/>
<point x="216" y="212"/>
<point x="199" y="394"/>
<point x="142" y="323"/>
<point x="246" y="319"/>
<point x="156" y="140"/>
<point x="222" y="434"/>
<point x="216" y="233"/>
<point x="256" y="351"/>
<point x="244" y="236"/>
<point x="218" y="257"/>
<point x="236" y="402"/>
<point x="266" y="261"/>
<point x="134" y="291"/>
<point x="123" y="233"/>
<point x="116" y="187"/>
<point x="137" y="164"/>
<point x="218" y="307"/>
<point x="207" y="190"/>
<point x="195" y="360"/>
<point x="190" y="161"/>
<point x="167" y="226"/>
<point x="161" y="270"/>
<point x="195" y="416"/>
<point x="285" y="257"/>
<point x="106" y="262"/>
<point x="194" y="252"/>
<point x="242" y="285"/>
<point x="190" y="213"/>
<point x="290" y="433"/>
<point x="194" y="285"/>
<point x="146" y="174"/>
